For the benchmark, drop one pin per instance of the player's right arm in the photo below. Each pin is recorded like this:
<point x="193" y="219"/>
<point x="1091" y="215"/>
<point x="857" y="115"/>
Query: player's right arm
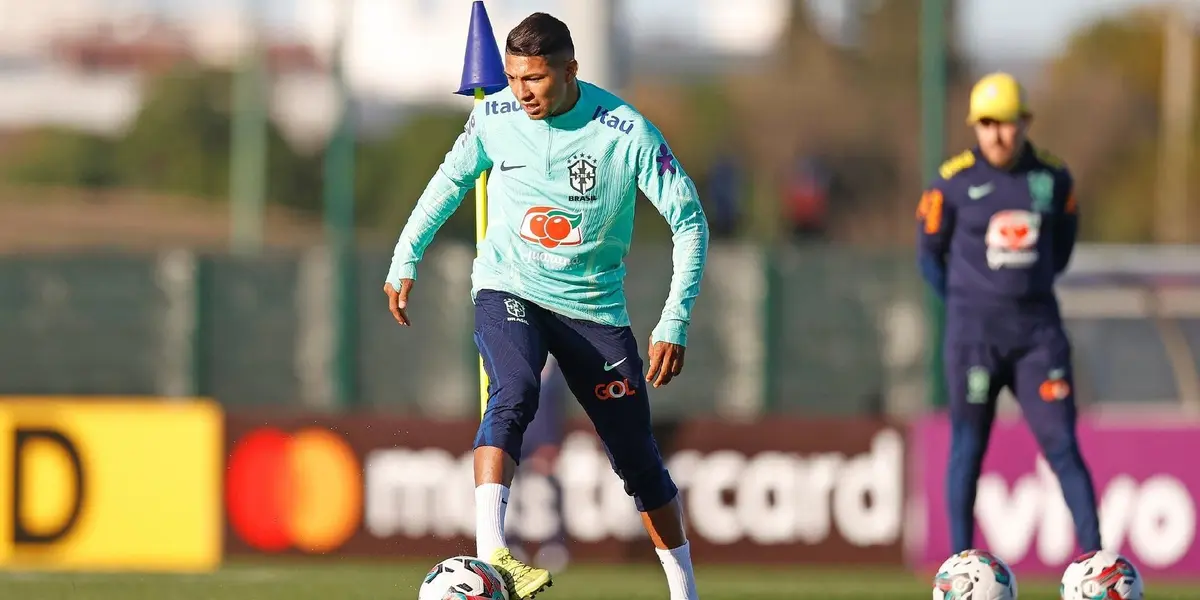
<point x="442" y="196"/>
<point x="935" y="226"/>
<point x="936" y="219"/>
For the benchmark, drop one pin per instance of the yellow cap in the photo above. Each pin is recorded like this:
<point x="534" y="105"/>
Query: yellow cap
<point x="999" y="97"/>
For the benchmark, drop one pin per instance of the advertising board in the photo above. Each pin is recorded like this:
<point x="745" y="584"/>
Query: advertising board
<point x="1146" y="481"/>
<point x="110" y="484"/>
<point x="785" y="490"/>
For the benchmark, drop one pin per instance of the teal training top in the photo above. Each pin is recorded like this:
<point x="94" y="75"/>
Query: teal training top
<point x="561" y="198"/>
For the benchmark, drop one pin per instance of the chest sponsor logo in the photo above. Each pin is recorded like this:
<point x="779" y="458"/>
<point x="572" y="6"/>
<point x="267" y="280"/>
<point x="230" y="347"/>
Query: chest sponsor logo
<point x="551" y="227"/>
<point x="1011" y="239"/>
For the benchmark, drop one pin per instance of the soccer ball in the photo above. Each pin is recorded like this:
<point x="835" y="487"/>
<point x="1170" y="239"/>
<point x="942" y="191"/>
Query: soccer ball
<point x="974" y="575"/>
<point x="463" y="578"/>
<point x="1103" y="575"/>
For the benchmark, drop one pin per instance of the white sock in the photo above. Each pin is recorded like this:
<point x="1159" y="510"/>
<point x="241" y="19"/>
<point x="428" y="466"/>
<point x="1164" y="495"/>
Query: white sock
<point x="491" y="501"/>
<point x="677" y="564"/>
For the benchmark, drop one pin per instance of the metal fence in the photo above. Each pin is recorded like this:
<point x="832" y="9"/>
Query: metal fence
<point x="816" y="329"/>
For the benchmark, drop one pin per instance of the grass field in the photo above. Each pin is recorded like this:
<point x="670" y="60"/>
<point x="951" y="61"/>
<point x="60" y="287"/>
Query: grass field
<point x="312" y="581"/>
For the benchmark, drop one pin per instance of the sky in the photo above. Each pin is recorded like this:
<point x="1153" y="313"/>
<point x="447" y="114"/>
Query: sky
<point x="989" y="29"/>
<point x="1033" y="28"/>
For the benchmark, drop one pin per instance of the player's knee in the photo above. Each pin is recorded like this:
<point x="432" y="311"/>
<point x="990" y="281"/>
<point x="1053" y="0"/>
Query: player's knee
<point x="1059" y="446"/>
<point x="646" y="478"/>
<point x="509" y="412"/>
<point x="651" y="488"/>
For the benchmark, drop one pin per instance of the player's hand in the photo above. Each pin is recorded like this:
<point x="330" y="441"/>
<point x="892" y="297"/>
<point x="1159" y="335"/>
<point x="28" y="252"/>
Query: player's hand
<point x="398" y="300"/>
<point x="666" y="362"/>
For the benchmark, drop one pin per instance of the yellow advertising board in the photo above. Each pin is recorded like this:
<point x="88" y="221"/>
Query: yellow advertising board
<point x="101" y="484"/>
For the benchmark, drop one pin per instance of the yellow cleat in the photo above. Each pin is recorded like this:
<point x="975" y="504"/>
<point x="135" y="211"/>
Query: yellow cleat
<point x="524" y="582"/>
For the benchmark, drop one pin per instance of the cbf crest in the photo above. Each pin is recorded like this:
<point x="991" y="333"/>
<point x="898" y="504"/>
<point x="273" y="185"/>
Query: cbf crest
<point x="1041" y="189"/>
<point x="515" y="308"/>
<point x="979" y="383"/>
<point x="581" y="169"/>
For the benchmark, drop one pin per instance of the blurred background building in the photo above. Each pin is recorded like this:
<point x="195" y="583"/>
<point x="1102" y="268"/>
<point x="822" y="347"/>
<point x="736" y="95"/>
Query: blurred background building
<point x="143" y="142"/>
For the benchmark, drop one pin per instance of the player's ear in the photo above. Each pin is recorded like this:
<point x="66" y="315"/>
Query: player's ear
<point x="572" y="69"/>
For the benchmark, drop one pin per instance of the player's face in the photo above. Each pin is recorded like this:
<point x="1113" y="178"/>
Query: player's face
<point x="1000" y="141"/>
<point x="540" y="84"/>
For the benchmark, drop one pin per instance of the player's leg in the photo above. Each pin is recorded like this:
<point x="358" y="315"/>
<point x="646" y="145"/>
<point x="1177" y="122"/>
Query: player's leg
<point x="603" y="367"/>
<point x="508" y="332"/>
<point x="1046" y="391"/>
<point x="974" y="377"/>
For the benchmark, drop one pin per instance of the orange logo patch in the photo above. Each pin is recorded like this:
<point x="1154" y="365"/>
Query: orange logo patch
<point x="930" y="211"/>
<point x="1053" y="390"/>
<point x="552" y="227"/>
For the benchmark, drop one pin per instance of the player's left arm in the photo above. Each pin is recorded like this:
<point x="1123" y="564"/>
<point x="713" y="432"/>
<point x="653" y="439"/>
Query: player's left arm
<point x="1066" y="224"/>
<point x="664" y="182"/>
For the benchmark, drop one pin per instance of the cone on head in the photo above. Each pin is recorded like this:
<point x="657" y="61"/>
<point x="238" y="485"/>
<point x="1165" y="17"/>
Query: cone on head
<point x="482" y="66"/>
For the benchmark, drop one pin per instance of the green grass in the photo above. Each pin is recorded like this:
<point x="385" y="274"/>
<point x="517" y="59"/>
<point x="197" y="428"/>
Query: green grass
<point x="358" y="581"/>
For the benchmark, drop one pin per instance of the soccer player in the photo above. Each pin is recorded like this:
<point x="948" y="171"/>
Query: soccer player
<point x="997" y="226"/>
<point x="568" y="160"/>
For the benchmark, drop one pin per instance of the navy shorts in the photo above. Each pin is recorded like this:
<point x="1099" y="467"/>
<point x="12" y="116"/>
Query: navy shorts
<point x="1038" y="373"/>
<point x="602" y="368"/>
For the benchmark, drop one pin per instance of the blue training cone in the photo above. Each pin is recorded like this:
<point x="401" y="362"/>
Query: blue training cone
<point x="482" y="65"/>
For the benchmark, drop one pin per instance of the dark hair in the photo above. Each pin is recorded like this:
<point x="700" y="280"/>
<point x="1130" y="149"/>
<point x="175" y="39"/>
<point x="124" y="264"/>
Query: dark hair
<point x="541" y="35"/>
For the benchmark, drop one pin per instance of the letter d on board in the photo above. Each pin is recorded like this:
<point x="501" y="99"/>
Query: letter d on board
<point x="23" y="441"/>
<point x="6" y="488"/>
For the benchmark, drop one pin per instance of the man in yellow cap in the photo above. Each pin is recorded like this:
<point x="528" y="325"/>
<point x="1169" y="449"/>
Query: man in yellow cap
<point x="996" y="227"/>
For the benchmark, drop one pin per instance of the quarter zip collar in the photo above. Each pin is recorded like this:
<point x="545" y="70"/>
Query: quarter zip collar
<point x="576" y="114"/>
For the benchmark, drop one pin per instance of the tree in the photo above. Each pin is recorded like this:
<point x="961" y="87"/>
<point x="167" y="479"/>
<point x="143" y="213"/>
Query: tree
<point x="181" y="142"/>
<point x="856" y="106"/>
<point x="62" y="157"/>
<point x="1101" y="112"/>
<point x="392" y="173"/>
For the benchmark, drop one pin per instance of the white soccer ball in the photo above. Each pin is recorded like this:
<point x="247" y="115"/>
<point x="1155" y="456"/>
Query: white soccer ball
<point x="1103" y="575"/>
<point x="463" y="578"/>
<point x="974" y="575"/>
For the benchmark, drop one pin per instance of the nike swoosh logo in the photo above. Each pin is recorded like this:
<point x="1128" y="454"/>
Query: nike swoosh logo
<point x="608" y="367"/>
<point x="977" y="192"/>
<point x="504" y="167"/>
